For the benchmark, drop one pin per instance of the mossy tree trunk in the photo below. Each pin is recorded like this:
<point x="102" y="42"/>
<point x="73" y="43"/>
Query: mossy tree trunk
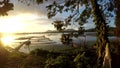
<point x="101" y="29"/>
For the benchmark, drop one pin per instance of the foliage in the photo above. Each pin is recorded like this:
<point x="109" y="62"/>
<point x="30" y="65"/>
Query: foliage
<point x="72" y="6"/>
<point x="81" y="61"/>
<point x="36" y="59"/>
<point x="5" y="6"/>
<point x="66" y="39"/>
<point x="59" y="62"/>
<point x="21" y="60"/>
<point x="85" y="58"/>
<point x="77" y="58"/>
<point x="15" y="59"/>
<point x="3" y="56"/>
<point x="33" y="62"/>
<point x="81" y="30"/>
<point x="39" y="52"/>
<point x="58" y="25"/>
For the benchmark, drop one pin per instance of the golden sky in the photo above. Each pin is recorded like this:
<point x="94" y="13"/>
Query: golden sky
<point x="25" y="18"/>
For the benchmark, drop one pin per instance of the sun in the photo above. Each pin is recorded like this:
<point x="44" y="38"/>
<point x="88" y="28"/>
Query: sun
<point x="7" y="40"/>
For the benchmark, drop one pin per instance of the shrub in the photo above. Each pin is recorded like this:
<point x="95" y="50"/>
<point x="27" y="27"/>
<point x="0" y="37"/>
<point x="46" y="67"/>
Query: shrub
<point x="39" y="52"/>
<point x="59" y="62"/>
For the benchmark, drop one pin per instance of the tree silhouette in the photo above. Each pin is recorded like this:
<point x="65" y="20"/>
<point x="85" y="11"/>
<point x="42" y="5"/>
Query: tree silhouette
<point x="94" y="9"/>
<point x="58" y="25"/>
<point x="116" y="59"/>
<point x="117" y="19"/>
<point x="5" y="6"/>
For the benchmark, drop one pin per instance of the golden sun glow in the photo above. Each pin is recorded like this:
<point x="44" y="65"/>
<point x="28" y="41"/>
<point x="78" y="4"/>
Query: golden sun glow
<point x="20" y="23"/>
<point x="14" y="24"/>
<point x="10" y="25"/>
<point x="7" y="41"/>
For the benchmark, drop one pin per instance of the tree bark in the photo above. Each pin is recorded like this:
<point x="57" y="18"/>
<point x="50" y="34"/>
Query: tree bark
<point x="102" y="31"/>
<point x="116" y="57"/>
<point x="117" y="18"/>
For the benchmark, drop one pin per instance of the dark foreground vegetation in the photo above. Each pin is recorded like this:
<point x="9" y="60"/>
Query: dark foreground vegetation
<point x="72" y="58"/>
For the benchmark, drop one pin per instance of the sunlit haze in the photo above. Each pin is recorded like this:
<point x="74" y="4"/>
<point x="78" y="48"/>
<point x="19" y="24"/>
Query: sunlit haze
<point x="11" y="24"/>
<point x="25" y="18"/>
<point x="7" y="40"/>
<point x="21" y="23"/>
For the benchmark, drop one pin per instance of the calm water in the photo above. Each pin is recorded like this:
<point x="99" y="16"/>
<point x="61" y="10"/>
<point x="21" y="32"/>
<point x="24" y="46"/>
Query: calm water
<point x="49" y="40"/>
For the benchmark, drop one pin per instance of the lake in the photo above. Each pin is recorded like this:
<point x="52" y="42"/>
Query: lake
<point x="48" y="41"/>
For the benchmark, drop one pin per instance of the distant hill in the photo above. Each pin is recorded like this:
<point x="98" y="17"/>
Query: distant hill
<point x="67" y="30"/>
<point x="111" y="29"/>
<point x="90" y="30"/>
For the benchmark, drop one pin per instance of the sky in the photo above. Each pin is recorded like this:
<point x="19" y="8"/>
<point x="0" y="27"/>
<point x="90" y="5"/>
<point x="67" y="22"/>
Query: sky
<point x="31" y="18"/>
<point x="25" y="18"/>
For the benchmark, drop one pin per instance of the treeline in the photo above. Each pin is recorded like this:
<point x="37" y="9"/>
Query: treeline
<point x="111" y="29"/>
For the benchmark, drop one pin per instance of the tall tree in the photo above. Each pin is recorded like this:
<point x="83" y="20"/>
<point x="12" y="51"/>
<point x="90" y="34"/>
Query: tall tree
<point x="101" y="28"/>
<point x="98" y="13"/>
<point x="117" y="18"/>
<point x="116" y="59"/>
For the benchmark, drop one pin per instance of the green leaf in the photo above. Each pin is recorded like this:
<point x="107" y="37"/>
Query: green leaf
<point x="39" y="1"/>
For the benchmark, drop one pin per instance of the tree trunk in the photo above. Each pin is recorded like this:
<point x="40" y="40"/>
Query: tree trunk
<point x="101" y="28"/>
<point x="117" y="18"/>
<point x="116" y="57"/>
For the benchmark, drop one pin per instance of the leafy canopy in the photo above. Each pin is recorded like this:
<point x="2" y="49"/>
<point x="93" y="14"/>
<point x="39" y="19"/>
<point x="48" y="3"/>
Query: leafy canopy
<point x="5" y="6"/>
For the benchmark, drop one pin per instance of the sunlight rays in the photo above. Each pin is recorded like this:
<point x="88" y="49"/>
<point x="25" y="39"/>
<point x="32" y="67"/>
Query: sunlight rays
<point x="18" y="23"/>
<point x="14" y="24"/>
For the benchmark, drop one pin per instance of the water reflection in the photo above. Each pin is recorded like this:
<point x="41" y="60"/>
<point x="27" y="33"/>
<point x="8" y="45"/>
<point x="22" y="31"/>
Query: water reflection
<point x="43" y="41"/>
